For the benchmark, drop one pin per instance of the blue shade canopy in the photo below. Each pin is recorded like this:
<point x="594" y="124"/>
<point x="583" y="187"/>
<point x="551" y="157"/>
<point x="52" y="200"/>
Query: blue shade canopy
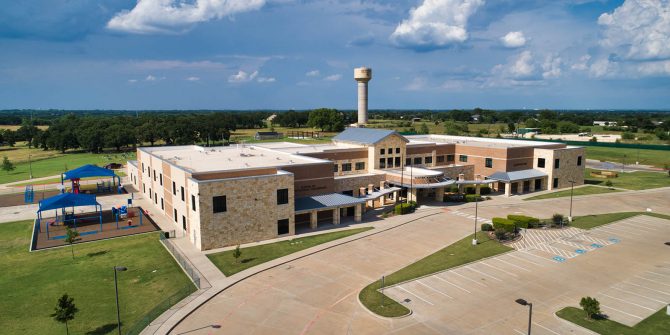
<point x="88" y="171"/>
<point x="65" y="200"/>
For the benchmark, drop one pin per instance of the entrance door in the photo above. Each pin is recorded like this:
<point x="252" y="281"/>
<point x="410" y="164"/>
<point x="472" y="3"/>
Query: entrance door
<point x="526" y="186"/>
<point x="538" y="184"/>
<point x="350" y="211"/>
<point x="515" y="188"/>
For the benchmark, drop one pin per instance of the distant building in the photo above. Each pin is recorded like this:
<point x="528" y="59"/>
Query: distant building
<point x="475" y="118"/>
<point x="524" y="131"/>
<point x="605" y="123"/>
<point x="268" y="135"/>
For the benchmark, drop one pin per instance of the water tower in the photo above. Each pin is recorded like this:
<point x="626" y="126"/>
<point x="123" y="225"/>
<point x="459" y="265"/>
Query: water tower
<point x="362" y="75"/>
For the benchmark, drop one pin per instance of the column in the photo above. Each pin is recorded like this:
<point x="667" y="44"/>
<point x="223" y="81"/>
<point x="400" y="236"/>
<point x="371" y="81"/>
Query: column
<point x="477" y="189"/>
<point x="336" y="216"/>
<point x="412" y="194"/>
<point x="439" y="194"/>
<point x="313" y="219"/>
<point x="508" y="189"/>
<point x="358" y="213"/>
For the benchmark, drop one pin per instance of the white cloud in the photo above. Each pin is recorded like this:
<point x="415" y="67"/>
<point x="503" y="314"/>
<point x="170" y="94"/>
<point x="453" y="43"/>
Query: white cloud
<point x="266" y="79"/>
<point x="313" y="73"/>
<point x="242" y="77"/>
<point x="193" y="78"/>
<point x="334" y="77"/>
<point x="153" y="78"/>
<point x="436" y="24"/>
<point x="583" y="63"/>
<point x="638" y="29"/>
<point x="161" y="16"/>
<point x="513" y="39"/>
<point x="551" y="68"/>
<point x="654" y="68"/>
<point x="132" y="81"/>
<point x="523" y="66"/>
<point x="603" y="68"/>
<point x="417" y="84"/>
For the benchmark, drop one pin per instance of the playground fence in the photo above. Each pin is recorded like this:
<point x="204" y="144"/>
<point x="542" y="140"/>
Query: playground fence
<point x="189" y="269"/>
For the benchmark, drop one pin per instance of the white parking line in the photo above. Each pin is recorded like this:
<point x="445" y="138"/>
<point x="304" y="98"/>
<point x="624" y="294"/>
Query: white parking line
<point x="658" y="274"/>
<point x="614" y="309"/>
<point x="488" y="275"/>
<point x="653" y="281"/>
<point x="516" y="266"/>
<point x="628" y="302"/>
<point x="540" y="257"/>
<point x="422" y="299"/>
<point x="525" y="260"/>
<point x="448" y="282"/>
<point x="545" y="328"/>
<point x="499" y="269"/>
<point x="650" y="289"/>
<point x="434" y="289"/>
<point x="617" y="229"/>
<point x="519" y="332"/>
<point x="639" y="295"/>
<point x="472" y="280"/>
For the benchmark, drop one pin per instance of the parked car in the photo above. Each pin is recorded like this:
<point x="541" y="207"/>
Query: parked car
<point x="113" y="166"/>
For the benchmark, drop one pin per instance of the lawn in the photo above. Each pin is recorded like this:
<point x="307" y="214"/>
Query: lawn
<point x="656" y="324"/>
<point x="657" y="158"/>
<point x="639" y="180"/>
<point x="31" y="283"/>
<point x="58" y="164"/>
<point x="592" y="221"/>
<point x="57" y="180"/>
<point x="586" y="190"/>
<point x="459" y="253"/>
<point x="260" y="254"/>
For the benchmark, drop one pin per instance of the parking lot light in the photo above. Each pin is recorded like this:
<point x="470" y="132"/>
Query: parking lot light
<point x="523" y="302"/>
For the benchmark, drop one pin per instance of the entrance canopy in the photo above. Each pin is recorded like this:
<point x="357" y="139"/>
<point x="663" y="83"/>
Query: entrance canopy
<point x="514" y="176"/>
<point x="65" y="200"/>
<point x="325" y="201"/>
<point x="88" y="171"/>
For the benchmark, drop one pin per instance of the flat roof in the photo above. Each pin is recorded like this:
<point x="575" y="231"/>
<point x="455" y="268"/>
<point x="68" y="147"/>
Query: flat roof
<point x="297" y="148"/>
<point x="199" y="159"/>
<point x="475" y="141"/>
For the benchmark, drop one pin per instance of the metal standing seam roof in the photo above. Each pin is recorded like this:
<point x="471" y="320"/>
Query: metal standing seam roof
<point x="517" y="175"/>
<point x="326" y="201"/>
<point x="365" y="135"/>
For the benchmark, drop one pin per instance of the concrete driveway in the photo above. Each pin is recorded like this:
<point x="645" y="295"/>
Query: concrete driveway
<point x="318" y="294"/>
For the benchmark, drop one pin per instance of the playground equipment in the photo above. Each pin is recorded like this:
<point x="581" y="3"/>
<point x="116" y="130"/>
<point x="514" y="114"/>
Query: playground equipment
<point x="29" y="194"/>
<point x="60" y="203"/>
<point x="121" y="212"/>
<point x="91" y="171"/>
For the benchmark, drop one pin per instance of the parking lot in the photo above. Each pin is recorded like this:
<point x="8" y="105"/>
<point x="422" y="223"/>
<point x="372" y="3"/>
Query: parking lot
<point x="623" y="264"/>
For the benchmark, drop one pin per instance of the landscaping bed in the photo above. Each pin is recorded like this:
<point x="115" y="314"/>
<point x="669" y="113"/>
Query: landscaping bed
<point x="657" y="324"/>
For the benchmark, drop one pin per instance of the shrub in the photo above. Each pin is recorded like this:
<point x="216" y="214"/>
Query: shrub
<point x="500" y="233"/>
<point x="506" y="224"/>
<point x="608" y="183"/>
<point x="487" y="227"/>
<point x="524" y="221"/>
<point x="557" y="219"/>
<point x="453" y="189"/>
<point x="472" y="198"/>
<point x="470" y="190"/>
<point x="403" y="209"/>
<point x="591" y="306"/>
<point x="484" y="190"/>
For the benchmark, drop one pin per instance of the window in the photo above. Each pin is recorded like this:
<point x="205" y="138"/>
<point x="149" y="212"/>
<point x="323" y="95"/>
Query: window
<point x="162" y="204"/>
<point x="489" y="162"/>
<point x="219" y="204"/>
<point x="193" y="202"/>
<point x="408" y="161"/>
<point x="282" y="196"/>
<point x="440" y="159"/>
<point x="360" y="166"/>
<point x="428" y="159"/>
<point x="282" y="227"/>
<point x="463" y="158"/>
<point x="183" y="222"/>
<point x="156" y="198"/>
<point x="149" y="171"/>
<point x="540" y="162"/>
<point x="174" y="188"/>
<point x="182" y="193"/>
<point x="382" y="151"/>
<point x="390" y="151"/>
<point x="397" y="150"/>
<point x="335" y="169"/>
<point x="450" y="158"/>
<point x="175" y="215"/>
<point x="397" y="162"/>
<point x="161" y="179"/>
<point x="579" y="160"/>
<point x="557" y="163"/>
<point x="555" y="182"/>
<point x="150" y="193"/>
<point x="389" y="162"/>
<point x="346" y="167"/>
<point x="142" y="167"/>
<point x="144" y="187"/>
<point x="155" y="176"/>
<point x="382" y="163"/>
<point x="417" y="161"/>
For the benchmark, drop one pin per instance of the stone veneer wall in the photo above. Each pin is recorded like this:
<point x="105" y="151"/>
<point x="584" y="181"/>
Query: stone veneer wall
<point x="453" y="171"/>
<point x="252" y="210"/>
<point x="356" y="182"/>
<point x="568" y="168"/>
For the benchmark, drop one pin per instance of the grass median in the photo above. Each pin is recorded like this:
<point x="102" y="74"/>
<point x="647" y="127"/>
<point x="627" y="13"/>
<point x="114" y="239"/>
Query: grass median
<point x="638" y="180"/>
<point x="32" y="282"/>
<point x="592" y="221"/>
<point x="459" y="253"/>
<point x="252" y="256"/>
<point x="586" y="190"/>
<point x="657" y="324"/>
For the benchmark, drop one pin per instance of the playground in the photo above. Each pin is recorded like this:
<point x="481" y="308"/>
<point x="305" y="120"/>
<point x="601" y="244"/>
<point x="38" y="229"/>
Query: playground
<point x="56" y="215"/>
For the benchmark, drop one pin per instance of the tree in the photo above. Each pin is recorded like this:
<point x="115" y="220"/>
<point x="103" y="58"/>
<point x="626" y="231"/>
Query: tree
<point x="326" y="119"/>
<point x="7" y="165"/>
<point x="65" y="311"/>
<point x="237" y="253"/>
<point x="424" y="128"/>
<point x="71" y="236"/>
<point x="591" y="306"/>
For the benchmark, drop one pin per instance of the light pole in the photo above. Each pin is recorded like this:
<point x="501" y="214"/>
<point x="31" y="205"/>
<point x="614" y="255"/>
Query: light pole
<point x="572" y="188"/>
<point x="523" y="302"/>
<point x="116" y="287"/>
<point x="474" y="240"/>
<point x="30" y="166"/>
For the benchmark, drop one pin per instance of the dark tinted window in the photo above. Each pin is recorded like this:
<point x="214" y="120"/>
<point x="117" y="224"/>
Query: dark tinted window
<point x="282" y="196"/>
<point x="219" y="204"/>
<point x="540" y="162"/>
<point x="282" y="227"/>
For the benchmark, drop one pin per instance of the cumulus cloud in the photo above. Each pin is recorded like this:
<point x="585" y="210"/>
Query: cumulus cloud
<point x="266" y="79"/>
<point x="313" y="73"/>
<point x="603" y="68"/>
<point x="193" y="78"/>
<point x="242" y="77"/>
<point x="551" y="68"/>
<point x="582" y="64"/>
<point x="162" y="16"/>
<point x="523" y="67"/>
<point x="153" y="78"/>
<point x="334" y="77"/>
<point x="513" y="39"/>
<point x="435" y="24"/>
<point x="638" y="30"/>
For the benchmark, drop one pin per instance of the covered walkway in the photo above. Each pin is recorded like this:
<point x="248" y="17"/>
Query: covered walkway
<point x="519" y="182"/>
<point x="321" y="208"/>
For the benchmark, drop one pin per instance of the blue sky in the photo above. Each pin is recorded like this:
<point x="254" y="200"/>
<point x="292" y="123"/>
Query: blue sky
<point x="279" y="54"/>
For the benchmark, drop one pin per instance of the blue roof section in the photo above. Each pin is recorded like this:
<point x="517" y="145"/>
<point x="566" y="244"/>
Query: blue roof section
<point x="365" y="135"/>
<point x="88" y="171"/>
<point x="65" y="200"/>
<point x="326" y="201"/>
<point x="517" y="175"/>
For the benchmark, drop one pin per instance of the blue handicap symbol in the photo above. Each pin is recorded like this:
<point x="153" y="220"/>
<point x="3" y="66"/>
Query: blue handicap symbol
<point x="615" y="240"/>
<point x="596" y="245"/>
<point x="559" y="259"/>
<point x="580" y="251"/>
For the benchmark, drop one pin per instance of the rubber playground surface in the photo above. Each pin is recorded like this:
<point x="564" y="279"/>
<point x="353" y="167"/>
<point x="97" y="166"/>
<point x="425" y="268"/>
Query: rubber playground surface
<point x="18" y="199"/>
<point x="90" y="228"/>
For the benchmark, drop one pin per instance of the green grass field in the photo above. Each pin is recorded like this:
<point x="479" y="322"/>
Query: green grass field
<point x="459" y="253"/>
<point x="586" y="190"/>
<point x="260" y="254"/>
<point x="657" y="158"/>
<point x="656" y="324"/>
<point x="592" y="221"/>
<point x="639" y="180"/>
<point x="31" y="283"/>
